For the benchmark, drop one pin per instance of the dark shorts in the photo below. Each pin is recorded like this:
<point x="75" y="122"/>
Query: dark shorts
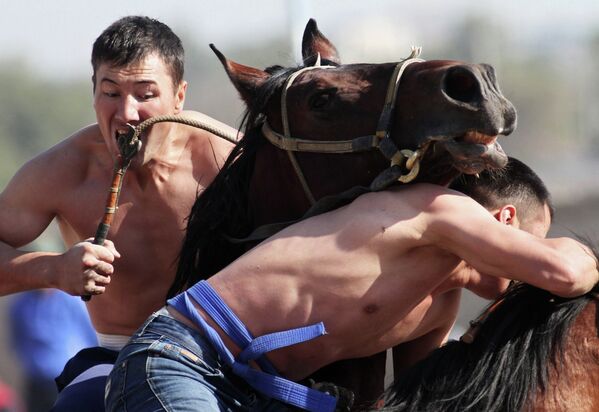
<point x="81" y="384"/>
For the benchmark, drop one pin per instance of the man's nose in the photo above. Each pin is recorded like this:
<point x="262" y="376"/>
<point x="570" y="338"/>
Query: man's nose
<point x="128" y="109"/>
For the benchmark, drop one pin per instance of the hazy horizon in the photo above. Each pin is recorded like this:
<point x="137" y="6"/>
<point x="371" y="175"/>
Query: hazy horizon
<point x="56" y="37"/>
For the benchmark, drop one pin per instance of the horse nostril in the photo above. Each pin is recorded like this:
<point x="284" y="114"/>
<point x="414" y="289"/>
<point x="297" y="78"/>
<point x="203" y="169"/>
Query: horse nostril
<point x="461" y="84"/>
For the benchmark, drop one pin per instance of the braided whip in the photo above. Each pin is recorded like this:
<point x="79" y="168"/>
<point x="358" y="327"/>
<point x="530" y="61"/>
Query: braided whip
<point x="129" y="145"/>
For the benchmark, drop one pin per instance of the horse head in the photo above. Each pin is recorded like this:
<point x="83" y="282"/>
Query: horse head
<point x="450" y="112"/>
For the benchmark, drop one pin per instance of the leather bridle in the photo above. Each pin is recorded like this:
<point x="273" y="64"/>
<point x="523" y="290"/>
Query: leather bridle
<point x="404" y="164"/>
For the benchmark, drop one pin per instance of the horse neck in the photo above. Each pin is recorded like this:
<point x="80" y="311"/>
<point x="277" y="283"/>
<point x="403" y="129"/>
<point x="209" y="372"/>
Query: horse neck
<point x="504" y="367"/>
<point x="573" y="379"/>
<point x="276" y="193"/>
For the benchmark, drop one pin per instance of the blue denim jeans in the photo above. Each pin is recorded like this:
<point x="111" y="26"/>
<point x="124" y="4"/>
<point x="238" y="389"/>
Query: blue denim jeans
<point x="167" y="366"/>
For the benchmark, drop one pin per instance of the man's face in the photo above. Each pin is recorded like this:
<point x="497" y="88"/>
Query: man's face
<point x="132" y="94"/>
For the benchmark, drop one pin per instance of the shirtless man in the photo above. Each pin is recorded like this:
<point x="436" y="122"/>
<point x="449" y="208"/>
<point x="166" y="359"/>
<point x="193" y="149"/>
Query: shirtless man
<point x="516" y="197"/>
<point x="377" y="273"/>
<point x="137" y="74"/>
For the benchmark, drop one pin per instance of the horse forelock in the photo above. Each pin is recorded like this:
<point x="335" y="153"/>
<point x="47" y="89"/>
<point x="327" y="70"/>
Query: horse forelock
<point x="503" y="368"/>
<point x="255" y="109"/>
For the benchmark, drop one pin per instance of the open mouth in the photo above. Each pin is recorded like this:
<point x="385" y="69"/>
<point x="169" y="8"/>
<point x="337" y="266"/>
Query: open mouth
<point x="474" y="152"/>
<point x="127" y="142"/>
<point x="126" y="131"/>
<point x="119" y="135"/>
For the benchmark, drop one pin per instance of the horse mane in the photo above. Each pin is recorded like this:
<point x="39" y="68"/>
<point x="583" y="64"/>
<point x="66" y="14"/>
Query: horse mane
<point x="502" y="368"/>
<point x="222" y="209"/>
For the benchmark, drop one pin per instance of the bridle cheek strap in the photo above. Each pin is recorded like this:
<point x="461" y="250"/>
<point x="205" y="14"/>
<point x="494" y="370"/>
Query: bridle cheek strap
<point x="380" y="140"/>
<point x="286" y="132"/>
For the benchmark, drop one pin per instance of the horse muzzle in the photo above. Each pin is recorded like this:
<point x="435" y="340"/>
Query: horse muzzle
<point x="474" y="152"/>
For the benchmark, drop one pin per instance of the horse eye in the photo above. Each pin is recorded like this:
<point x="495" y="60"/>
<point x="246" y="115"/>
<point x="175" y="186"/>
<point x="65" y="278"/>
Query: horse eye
<point x="321" y="99"/>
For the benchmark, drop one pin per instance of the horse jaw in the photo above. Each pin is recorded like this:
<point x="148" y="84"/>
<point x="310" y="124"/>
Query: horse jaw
<point x="474" y="152"/>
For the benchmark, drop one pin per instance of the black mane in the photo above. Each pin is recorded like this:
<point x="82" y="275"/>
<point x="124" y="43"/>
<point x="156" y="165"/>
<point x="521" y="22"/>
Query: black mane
<point x="505" y="364"/>
<point x="222" y="209"/>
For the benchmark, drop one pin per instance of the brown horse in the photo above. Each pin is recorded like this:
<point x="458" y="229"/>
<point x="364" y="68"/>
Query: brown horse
<point x="341" y="129"/>
<point x="533" y="352"/>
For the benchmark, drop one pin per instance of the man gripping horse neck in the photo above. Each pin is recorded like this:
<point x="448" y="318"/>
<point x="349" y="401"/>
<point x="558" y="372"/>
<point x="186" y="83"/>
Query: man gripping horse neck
<point x="382" y="271"/>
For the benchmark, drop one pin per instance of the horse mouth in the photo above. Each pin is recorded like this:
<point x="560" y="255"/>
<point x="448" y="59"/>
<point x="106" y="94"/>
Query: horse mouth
<point x="474" y="152"/>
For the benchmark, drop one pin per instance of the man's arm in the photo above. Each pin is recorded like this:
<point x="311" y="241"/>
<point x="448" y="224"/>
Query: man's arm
<point x="562" y="266"/>
<point x="26" y="209"/>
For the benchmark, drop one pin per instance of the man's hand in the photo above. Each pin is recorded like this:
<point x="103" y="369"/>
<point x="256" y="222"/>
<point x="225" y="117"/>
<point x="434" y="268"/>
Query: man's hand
<point x="580" y="272"/>
<point x="85" y="269"/>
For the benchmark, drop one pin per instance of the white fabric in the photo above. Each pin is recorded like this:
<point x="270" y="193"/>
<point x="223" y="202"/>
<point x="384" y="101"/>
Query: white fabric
<point x="112" y="342"/>
<point x="102" y="369"/>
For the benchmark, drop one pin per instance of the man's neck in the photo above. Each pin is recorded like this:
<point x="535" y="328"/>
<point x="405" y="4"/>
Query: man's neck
<point x="164" y="152"/>
<point x="156" y="162"/>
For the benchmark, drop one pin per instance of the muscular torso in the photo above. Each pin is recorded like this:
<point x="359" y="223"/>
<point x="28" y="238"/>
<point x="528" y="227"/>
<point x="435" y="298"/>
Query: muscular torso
<point x="148" y="227"/>
<point x="394" y="287"/>
<point x="147" y="231"/>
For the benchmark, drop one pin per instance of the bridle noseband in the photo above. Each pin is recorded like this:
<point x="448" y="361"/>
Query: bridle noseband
<point x="400" y="160"/>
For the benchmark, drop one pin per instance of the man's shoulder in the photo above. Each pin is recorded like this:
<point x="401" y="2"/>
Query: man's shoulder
<point x="422" y="196"/>
<point x="42" y="182"/>
<point x="202" y="135"/>
<point x="430" y="204"/>
<point x="81" y="144"/>
<point x="67" y="156"/>
<point x="437" y="196"/>
<point x="204" y="118"/>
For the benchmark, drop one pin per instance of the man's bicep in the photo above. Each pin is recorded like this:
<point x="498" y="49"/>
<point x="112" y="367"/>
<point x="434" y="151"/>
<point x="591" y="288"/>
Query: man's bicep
<point x="25" y="208"/>
<point x="458" y="224"/>
<point x="498" y="250"/>
<point x="473" y="234"/>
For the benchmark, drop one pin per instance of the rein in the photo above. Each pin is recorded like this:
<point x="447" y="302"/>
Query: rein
<point x="134" y="132"/>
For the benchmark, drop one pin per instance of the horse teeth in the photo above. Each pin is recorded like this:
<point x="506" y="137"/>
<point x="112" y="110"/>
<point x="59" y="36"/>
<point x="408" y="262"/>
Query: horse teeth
<point x="474" y="136"/>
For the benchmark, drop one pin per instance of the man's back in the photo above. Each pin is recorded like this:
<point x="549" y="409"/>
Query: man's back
<point x="384" y="270"/>
<point x="403" y="261"/>
<point x="391" y="268"/>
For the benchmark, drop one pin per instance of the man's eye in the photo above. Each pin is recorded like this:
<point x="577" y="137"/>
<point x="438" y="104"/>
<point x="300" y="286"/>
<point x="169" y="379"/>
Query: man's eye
<point x="111" y="94"/>
<point x="147" y="96"/>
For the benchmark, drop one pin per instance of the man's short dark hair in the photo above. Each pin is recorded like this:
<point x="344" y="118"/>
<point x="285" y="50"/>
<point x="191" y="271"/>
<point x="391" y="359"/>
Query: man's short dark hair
<point x="133" y="38"/>
<point x="516" y="183"/>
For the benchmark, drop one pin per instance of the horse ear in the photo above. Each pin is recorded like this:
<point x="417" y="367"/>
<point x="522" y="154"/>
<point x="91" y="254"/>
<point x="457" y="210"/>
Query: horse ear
<point x="245" y="79"/>
<point x="314" y="43"/>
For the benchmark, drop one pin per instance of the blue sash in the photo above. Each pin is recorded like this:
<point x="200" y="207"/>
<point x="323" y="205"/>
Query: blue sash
<point x="266" y="381"/>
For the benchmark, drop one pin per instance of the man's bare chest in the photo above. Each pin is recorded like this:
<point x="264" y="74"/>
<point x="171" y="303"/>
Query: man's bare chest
<point x="157" y="209"/>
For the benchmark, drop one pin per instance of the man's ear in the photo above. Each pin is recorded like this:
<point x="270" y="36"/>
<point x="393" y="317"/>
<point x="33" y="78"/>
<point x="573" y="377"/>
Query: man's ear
<point x="507" y="215"/>
<point x="180" y="97"/>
